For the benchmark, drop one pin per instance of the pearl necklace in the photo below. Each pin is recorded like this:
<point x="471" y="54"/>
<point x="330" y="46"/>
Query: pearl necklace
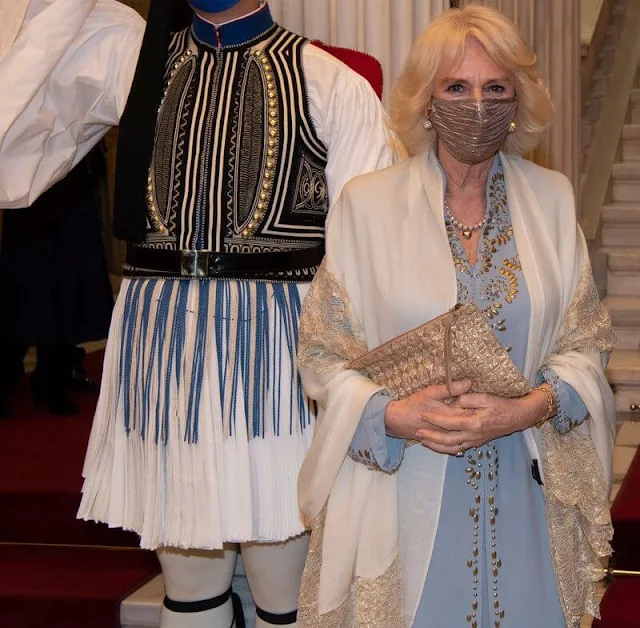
<point x="467" y="230"/>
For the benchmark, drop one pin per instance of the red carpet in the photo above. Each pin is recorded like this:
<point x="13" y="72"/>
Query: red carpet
<point x="41" y="460"/>
<point x="620" y="606"/>
<point x="626" y="519"/>
<point x="68" y="588"/>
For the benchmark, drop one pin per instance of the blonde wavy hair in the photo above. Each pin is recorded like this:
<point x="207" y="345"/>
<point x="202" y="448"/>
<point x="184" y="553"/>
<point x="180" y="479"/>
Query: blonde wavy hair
<point x="442" y="45"/>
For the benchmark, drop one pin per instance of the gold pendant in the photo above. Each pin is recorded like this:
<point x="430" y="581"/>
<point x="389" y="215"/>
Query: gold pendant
<point x="467" y="233"/>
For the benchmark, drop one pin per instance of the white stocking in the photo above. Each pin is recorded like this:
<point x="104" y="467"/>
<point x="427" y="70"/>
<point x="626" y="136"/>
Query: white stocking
<point x="193" y="576"/>
<point x="274" y="571"/>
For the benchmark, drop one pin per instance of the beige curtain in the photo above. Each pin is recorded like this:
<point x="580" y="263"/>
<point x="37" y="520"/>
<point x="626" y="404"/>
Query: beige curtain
<point x="384" y="28"/>
<point x="552" y="29"/>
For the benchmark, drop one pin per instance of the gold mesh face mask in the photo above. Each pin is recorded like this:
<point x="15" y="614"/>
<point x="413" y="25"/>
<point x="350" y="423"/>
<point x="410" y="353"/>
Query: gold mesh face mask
<point x="472" y="130"/>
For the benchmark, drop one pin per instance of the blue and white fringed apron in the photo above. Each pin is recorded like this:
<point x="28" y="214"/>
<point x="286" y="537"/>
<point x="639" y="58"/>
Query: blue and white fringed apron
<point x="202" y="425"/>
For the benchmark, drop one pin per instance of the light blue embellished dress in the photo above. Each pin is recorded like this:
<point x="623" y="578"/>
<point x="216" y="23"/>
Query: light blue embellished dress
<point x="491" y="565"/>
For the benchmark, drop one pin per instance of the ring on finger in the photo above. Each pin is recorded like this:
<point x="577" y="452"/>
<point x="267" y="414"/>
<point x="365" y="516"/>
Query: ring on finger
<point x="460" y="452"/>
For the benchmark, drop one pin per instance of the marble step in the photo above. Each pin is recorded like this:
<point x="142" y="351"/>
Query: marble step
<point x="623" y="271"/>
<point x="624" y="311"/>
<point x="626" y="181"/>
<point x="599" y="83"/>
<point x="621" y="223"/>
<point x="625" y="316"/>
<point x="635" y="106"/>
<point x="142" y="608"/>
<point x="631" y="142"/>
<point x="623" y="373"/>
<point x="586" y="134"/>
<point x="621" y="259"/>
<point x="592" y="109"/>
<point x="628" y="338"/>
<point x="623" y="284"/>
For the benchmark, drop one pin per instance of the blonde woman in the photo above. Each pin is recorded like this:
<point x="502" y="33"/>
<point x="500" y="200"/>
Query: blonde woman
<point x="499" y="518"/>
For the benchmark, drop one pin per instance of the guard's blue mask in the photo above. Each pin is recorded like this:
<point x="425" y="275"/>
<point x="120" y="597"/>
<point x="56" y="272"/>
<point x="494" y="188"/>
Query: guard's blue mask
<point x="213" y="6"/>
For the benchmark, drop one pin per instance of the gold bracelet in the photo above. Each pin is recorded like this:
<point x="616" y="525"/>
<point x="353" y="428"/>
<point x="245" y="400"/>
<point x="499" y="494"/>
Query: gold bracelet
<point x="551" y="404"/>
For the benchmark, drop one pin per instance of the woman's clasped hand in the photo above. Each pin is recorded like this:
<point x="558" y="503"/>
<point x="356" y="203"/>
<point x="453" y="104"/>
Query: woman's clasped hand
<point x="448" y="421"/>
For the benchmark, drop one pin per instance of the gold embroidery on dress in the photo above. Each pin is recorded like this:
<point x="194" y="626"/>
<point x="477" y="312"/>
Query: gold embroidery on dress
<point x="365" y="457"/>
<point x="493" y="466"/>
<point x="476" y="459"/>
<point x="498" y="220"/>
<point x="495" y="289"/>
<point x="472" y="562"/>
<point x="505" y="288"/>
<point x="500" y="215"/>
<point x="509" y="269"/>
<point x="499" y="289"/>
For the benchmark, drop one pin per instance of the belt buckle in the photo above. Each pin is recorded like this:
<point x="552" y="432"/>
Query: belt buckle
<point x="194" y="263"/>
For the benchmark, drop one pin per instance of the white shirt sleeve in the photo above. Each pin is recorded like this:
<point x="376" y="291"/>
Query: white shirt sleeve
<point x="348" y="118"/>
<point x="65" y="81"/>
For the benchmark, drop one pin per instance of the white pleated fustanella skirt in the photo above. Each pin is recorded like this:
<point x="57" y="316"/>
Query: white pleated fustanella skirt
<point x="202" y="424"/>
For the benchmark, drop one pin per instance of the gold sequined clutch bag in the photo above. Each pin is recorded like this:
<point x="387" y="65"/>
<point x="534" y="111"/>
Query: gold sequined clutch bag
<point x="457" y="345"/>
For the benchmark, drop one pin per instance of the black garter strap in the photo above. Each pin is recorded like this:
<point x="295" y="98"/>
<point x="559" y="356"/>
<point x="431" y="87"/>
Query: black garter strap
<point x="197" y="606"/>
<point x="238" y="612"/>
<point x="277" y="620"/>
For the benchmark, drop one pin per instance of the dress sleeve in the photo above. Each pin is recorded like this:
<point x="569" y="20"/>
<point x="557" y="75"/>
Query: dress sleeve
<point x="348" y="118"/>
<point x="571" y="409"/>
<point x="370" y="445"/>
<point x="63" y="88"/>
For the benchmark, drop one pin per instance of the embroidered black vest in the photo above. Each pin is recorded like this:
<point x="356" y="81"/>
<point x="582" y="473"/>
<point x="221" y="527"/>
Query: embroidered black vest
<point x="237" y="166"/>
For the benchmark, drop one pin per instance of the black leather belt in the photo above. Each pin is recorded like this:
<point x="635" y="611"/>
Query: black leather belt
<point x="144" y="262"/>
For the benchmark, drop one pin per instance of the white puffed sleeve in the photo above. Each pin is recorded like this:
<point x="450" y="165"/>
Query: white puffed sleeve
<point x="348" y="118"/>
<point x="65" y="81"/>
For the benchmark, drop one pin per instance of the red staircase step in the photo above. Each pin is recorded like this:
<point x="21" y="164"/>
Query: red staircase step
<point x="619" y="607"/>
<point x="625" y="514"/>
<point x="43" y="587"/>
<point x="41" y="458"/>
<point x="50" y="518"/>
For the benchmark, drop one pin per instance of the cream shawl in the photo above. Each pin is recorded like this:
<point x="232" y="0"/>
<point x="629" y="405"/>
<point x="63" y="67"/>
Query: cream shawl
<point x="12" y="14"/>
<point x="389" y="268"/>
